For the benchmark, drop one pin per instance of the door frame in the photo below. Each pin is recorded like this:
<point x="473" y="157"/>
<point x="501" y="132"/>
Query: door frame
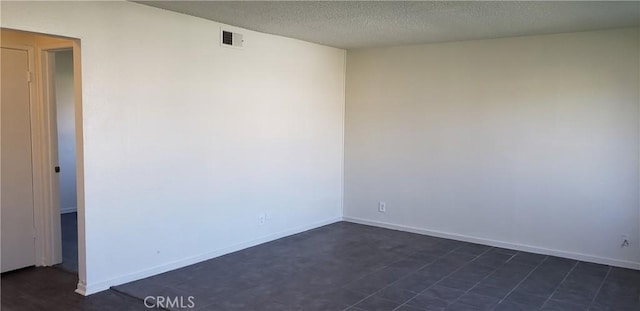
<point x="52" y="244"/>
<point x="44" y="138"/>
<point x="50" y="213"/>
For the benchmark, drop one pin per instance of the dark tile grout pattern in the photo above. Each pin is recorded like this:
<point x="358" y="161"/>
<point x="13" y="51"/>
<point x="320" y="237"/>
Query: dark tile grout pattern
<point x="374" y="262"/>
<point x="600" y="287"/>
<point x="454" y="301"/>
<point x="521" y="281"/>
<point x="354" y="305"/>
<point x="346" y="266"/>
<point x="476" y="284"/>
<point x="358" y="306"/>
<point x="438" y="282"/>
<point x="563" y="280"/>
<point x="633" y="306"/>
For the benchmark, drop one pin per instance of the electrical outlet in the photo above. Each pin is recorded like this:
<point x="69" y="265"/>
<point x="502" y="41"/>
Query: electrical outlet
<point x="382" y="207"/>
<point x="262" y="218"/>
<point x="624" y="239"/>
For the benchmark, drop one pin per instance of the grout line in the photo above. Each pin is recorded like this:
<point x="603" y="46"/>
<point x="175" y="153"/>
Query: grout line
<point x="600" y="287"/>
<point x="484" y="278"/>
<point x="404" y="277"/>
<point x="522" y="281"/>
<point x="560" y="284"/>
<point x="444" y="277"/>
<point x="514" y="255"/>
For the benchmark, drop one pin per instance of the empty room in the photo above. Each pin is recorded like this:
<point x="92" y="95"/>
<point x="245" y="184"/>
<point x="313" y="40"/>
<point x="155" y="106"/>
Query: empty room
<point x="320" y="155"/>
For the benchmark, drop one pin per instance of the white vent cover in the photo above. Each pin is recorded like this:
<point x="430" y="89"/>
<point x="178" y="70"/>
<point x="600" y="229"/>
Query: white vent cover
<point x="231" y="39"/>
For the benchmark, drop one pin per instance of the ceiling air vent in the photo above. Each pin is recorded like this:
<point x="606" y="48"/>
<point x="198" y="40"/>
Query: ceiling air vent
<point x="231" y="39"/>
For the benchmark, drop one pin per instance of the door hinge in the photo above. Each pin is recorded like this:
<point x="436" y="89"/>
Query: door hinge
<point x="29" y="76"/>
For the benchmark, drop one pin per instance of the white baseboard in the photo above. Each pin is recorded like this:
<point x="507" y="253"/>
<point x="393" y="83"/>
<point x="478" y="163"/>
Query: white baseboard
<point x="88" y="289"/>
<point x="519" y="247"/>
<point x="82" y="288"/>
<point x="65" y="210"/>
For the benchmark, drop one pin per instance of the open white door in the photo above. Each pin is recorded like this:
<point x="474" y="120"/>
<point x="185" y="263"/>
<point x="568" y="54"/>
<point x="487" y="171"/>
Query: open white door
<point x="16" y="209"/>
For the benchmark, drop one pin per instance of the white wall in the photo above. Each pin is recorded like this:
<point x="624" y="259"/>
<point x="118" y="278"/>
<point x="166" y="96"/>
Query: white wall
<point x="187" y="142"/>
<point x="528" y="142"/>
<point x="65" y="114"/>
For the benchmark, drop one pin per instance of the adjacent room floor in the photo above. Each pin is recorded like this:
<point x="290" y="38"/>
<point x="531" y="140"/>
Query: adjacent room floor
<point x="347" y="266"/>
<point x="69" y="228"/>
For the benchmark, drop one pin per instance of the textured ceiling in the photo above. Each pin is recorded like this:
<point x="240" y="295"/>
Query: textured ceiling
<point x="358" y="24"/>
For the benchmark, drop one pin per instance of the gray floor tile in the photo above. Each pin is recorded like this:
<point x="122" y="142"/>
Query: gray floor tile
<point x="490" y="291"/>
<point x="507" y="251"/>
<point x="619" y="296"/>
<point x="396" y="294"/>
<point x="522" y="298"/>
<point x="415" y="283"/>
<point x="427" y="302"/>
<point x="579" y="297"/>
<point x="410" y="263"/>
<point x="410" y="308"/>
<point x="425" y="257"/>
<point x="472" y="249"/>
<point x="443" y="293"/>
<point x="493" y="259"/>
<point x="540" y="285"/>
<point x="375" y="303"/>
<point x="624" y="277"/>
<point x="508" y="276"/>
<point x="479" y="301"/>
<point x="373" y="282"/>
<point x="456" y="283"/>
<point x="472" y="273"/>
<point x="436" y="271"/>
<point x="464" y="307"/>
<point x="510" y="306"/>
<point x="525" y="258"/>
<point x="553" y="305"/>
<point x="337" y="267"/>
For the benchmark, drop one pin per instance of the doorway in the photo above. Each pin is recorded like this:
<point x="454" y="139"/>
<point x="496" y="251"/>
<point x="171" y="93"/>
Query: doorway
<point x="66" y="169"/>
<point x="47" y="219"/>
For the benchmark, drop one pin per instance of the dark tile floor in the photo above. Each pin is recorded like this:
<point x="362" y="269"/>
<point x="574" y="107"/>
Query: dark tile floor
<point x="346" y="266"/>
<point x="69" y="242"/>
<point x="52" y="289"/>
